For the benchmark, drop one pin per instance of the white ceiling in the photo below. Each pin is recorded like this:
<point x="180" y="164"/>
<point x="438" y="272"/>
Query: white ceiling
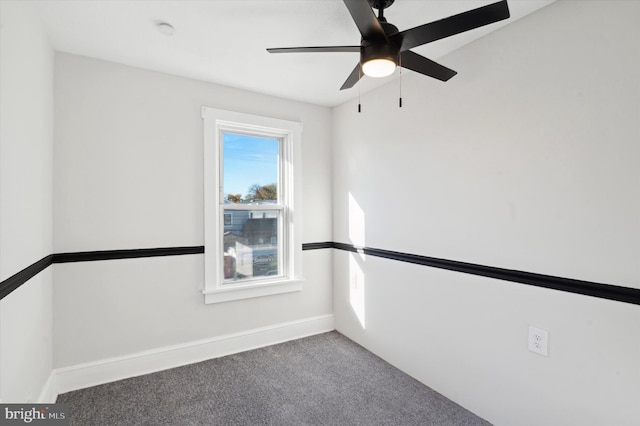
<point x="224" y="41"/>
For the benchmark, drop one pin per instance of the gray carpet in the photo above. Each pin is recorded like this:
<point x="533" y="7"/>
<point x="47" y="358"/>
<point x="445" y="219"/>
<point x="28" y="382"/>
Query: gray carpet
<point x="320" y="380"/>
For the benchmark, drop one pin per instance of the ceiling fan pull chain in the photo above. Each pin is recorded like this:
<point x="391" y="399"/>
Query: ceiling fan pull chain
<point x="400" y="66"/>
<point x="359" y="77"/>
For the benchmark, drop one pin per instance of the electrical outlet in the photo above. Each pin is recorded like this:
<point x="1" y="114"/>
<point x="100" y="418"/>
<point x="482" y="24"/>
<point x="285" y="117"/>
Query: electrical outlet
<point x="538" y="341"/>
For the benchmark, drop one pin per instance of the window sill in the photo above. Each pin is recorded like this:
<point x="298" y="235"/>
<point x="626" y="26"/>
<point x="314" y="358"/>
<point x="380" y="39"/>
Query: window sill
<point x="238" y="292"/>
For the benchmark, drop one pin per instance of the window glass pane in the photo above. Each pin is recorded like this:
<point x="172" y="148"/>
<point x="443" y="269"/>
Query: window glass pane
<point x="251" y="244"/>
<point x="250" y="169"/>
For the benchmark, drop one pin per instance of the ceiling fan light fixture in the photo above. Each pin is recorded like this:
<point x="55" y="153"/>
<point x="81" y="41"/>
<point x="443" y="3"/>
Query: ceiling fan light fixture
<point x="379" y="60"/>
<point x="380" y="67"/>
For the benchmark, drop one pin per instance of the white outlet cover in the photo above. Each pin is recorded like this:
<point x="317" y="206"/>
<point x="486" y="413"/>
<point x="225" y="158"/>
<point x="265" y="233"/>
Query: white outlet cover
<point x="538" y="341"/>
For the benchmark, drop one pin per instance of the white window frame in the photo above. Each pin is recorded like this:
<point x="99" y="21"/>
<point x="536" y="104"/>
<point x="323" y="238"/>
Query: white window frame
<point x="216" y="122"/>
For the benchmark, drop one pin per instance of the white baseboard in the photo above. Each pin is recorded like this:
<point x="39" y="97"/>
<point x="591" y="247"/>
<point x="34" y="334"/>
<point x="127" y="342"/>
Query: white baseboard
<point x="108" y="370"/>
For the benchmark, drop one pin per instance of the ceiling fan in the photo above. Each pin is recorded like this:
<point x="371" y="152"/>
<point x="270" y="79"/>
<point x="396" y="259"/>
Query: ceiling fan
<point x="383" y="47"/>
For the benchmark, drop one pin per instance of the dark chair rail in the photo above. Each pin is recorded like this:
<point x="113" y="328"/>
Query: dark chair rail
<point x="588" y="288"/>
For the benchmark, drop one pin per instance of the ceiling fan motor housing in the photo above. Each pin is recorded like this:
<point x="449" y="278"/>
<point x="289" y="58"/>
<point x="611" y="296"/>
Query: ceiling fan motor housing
<point x="376" y="50"/>
<point x="388" y="51"/>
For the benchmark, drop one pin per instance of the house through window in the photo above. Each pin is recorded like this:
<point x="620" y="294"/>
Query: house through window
<point x="252" y="242"/>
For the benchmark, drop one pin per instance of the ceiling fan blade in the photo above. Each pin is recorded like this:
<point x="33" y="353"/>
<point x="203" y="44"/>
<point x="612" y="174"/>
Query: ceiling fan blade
<point x="422" y="65"/>
<point x="353" y="78"/>
<point x="452" y="25"/>
<point x="314" y="49"/>
<point x="366" y="20"/>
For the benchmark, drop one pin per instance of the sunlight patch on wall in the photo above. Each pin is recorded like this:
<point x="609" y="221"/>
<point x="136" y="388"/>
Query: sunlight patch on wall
<point x="356" y="274"/>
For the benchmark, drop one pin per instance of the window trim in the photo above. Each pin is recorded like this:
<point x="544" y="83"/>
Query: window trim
<point x="216" y="121"/>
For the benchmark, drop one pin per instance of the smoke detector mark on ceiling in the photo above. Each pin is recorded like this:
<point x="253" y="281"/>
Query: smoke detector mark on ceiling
<point x="166" y="29"/>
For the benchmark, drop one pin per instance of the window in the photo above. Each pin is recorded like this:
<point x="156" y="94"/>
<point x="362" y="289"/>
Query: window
<point x="252" y="206"/>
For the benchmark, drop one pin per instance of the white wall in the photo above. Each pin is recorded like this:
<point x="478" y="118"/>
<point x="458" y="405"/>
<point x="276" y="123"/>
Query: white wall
<point x="26" y="143"/>
<point x="129" y="174"/>
<point x="527" y="159"/>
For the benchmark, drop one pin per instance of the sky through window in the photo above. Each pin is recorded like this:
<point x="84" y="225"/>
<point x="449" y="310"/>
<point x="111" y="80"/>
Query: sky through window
<point x="248" y="160"/>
